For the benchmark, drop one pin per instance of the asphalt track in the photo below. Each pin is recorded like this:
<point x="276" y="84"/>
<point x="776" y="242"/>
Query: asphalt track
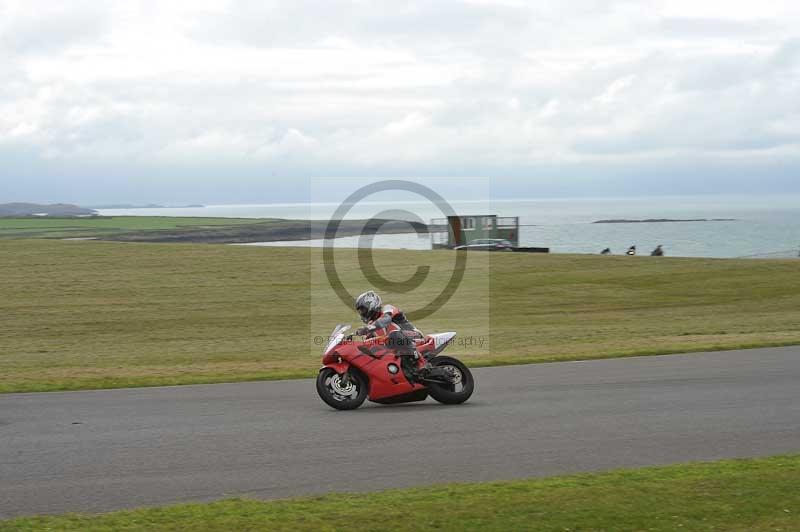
<point x="103" y="450"/>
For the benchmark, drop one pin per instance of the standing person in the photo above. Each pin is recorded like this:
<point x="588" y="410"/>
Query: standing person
<point x="658" y="252"/>
<point x="631" y="250"/>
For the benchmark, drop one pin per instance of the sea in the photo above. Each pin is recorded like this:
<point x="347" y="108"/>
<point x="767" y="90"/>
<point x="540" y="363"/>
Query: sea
<point x="759" y="226"/>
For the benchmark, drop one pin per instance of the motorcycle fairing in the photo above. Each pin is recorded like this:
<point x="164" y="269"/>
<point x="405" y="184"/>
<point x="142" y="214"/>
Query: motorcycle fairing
<point x="441" y="341"/>
<point x="373" y="358"/>
<point x="382" y="382"/>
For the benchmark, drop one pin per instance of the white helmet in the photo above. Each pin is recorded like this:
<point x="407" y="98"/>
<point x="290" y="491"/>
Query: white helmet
<point x="368" y="306"/>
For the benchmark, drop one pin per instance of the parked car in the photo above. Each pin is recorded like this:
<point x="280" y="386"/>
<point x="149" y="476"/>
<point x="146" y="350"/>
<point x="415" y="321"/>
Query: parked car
<point x="487" y="244"/>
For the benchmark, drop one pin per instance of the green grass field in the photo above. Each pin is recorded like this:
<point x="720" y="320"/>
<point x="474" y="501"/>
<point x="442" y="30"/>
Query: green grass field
<point x="77" y="315"/>
<point x="178" y="229"/>
<point x="732" y="495"/>
<point x="53" y="227"/>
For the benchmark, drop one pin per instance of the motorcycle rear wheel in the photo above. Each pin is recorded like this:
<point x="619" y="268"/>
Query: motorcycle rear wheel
<point x="341" y="397"/>
<point x="456" y="392"/>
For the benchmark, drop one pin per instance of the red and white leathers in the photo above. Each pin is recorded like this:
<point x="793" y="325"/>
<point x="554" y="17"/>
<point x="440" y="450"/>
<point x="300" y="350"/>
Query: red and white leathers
<point x="391" y="319"/>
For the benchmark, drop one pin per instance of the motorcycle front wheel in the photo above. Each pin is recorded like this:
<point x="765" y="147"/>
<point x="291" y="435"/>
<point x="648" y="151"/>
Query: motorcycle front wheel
<point x="338" y="395"/>
<point x="460" y="386"/>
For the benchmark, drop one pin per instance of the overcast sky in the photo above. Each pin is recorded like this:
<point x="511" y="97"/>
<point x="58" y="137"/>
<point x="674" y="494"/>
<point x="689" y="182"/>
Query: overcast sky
<point x="240" y="101"/>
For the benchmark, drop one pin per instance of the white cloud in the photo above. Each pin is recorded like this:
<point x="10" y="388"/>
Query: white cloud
<point x="409" y="124"/>
<point x="614" y="90"/>
<point x="352" y="86"/>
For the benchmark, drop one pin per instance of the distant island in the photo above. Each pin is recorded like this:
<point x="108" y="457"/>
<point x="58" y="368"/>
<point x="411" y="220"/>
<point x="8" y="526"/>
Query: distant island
<point x="148" y="206"/>
<point x="36" y="209"/>
<point x="663" y="220"/>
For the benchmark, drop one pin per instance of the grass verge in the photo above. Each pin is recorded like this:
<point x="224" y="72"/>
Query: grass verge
<point x="181" y="229"/>
<point x="731" y="495"/>
<point x="81" y="315"/>
<point x="108" y="226"/>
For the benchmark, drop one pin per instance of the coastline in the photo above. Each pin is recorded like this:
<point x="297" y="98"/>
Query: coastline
<point x="267" y="231"/>
<point x="663" y="220"/>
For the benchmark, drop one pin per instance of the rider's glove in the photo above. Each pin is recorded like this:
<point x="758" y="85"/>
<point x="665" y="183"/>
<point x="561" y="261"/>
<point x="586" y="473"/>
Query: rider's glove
<point x="363" y="331"/>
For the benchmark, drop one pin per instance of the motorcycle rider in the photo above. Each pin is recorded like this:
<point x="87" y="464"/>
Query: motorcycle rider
<point x="390" y="322"/>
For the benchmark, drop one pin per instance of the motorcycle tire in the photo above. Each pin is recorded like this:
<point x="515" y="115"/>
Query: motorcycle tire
<point x="450" y="394"/>
<point x="336" y="396"/>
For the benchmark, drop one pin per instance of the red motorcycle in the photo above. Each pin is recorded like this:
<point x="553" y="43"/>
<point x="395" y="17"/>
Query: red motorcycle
<point x="353" y="370"/>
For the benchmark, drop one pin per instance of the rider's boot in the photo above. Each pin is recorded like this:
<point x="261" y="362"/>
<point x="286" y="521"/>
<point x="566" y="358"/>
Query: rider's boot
<point x="422" y="371"/>
<point x="413" y="370"/>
